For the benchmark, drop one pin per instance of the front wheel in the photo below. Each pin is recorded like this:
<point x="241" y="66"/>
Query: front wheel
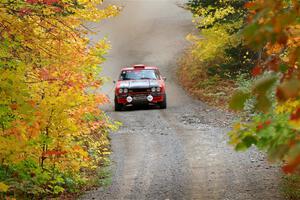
<point x="163" y="105"/>
<point x="118" y="107"/>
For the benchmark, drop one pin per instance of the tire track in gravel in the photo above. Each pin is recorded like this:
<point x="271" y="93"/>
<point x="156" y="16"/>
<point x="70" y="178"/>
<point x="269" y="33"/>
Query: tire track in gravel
<point x="216" y="171"/>
<point x="199" y="174"/>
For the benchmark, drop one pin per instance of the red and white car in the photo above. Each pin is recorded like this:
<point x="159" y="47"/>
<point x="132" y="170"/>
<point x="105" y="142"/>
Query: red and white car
<point x="140" y="84"/>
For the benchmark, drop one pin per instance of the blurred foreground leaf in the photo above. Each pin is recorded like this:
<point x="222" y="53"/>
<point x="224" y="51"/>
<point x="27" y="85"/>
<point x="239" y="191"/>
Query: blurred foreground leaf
<point x="288" y="89"/>
<point x="238" y="100"/>
<point x="264" y="84"/>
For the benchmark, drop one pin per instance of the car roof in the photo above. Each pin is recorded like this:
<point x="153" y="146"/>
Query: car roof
<point x="138" y="67"/>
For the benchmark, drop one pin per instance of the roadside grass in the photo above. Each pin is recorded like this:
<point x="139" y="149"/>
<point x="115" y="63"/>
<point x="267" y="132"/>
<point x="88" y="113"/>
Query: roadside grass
<point x="102" y="178"/>
<point x="290" y="186"/>
<point x="213" y="90"/>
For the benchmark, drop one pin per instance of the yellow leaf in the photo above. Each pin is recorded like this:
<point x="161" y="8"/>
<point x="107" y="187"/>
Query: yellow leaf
<point x="3" y="187"/>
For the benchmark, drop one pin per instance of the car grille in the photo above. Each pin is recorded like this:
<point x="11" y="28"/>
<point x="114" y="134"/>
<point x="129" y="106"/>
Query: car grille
<point x="140" y="90"/>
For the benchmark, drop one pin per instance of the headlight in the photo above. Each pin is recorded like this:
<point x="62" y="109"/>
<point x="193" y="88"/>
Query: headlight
<point x="120" y="90"/>
<point x="153" y="89"/>
<point x="125" y="90"/>
<point x="158" y="89"/>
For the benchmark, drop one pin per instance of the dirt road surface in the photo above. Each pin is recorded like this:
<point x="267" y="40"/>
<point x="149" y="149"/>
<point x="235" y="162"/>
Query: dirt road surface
<point x="180" y="152"/>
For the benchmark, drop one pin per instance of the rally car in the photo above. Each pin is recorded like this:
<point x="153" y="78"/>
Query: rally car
<point x="140" y="84"/>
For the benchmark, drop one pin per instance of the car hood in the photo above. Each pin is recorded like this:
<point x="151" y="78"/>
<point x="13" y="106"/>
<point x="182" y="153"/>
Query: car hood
<point x="132" y="84"/>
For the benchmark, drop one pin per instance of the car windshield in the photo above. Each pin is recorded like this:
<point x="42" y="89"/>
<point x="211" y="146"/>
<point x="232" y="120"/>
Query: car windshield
<point x="139" y="74"/>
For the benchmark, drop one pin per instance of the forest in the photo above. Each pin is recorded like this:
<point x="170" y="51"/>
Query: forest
<point x="54" y="138"/>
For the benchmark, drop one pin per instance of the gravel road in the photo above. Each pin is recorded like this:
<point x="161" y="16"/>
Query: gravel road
<point x="180" y="152"/>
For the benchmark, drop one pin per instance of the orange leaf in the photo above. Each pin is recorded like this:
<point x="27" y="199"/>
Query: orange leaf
<point x="249" y="5"/>
<point x="292" y="166"/>
<point x="257" y="71"/>
<point x="54" y="153"/>
<point x="295" y="115"/>
<point x="14" y="106"/>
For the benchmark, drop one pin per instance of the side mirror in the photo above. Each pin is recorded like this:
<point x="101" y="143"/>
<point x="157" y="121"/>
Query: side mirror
<point x="164" y="78"/>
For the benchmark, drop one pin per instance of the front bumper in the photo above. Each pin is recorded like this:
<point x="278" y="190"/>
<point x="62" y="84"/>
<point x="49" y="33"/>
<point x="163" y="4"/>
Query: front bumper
<point x="140" y="98"/>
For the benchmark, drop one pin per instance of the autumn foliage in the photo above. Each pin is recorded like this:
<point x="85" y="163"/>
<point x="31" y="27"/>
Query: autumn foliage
<point x="53" y="134"/>
<point x="273" y="30"/>
<point x="218" y="55"/>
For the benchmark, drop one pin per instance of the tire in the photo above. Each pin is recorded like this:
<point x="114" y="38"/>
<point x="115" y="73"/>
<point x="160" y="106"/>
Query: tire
<point x="118" y="107"/>
<point x="163" y="105"/>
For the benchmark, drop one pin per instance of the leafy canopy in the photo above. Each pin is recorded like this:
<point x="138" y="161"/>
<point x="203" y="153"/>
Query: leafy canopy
<point x="53" y="133"/>
<point x="273" y="30"/>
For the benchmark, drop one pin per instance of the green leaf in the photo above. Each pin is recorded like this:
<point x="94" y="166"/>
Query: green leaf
<point x="251" y="29"/>
<point x="263" y="103"/>
<point x="283" y="68"/>
<point x="57" y="189"/>
<point x="238" y="100"/>
<point x="241" y="147"/>
<point x="264" y="84"/>
<point x="249" y="141"/>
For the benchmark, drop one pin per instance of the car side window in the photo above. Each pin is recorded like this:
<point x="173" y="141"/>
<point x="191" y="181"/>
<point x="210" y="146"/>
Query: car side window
<point x="125" y="76"/>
